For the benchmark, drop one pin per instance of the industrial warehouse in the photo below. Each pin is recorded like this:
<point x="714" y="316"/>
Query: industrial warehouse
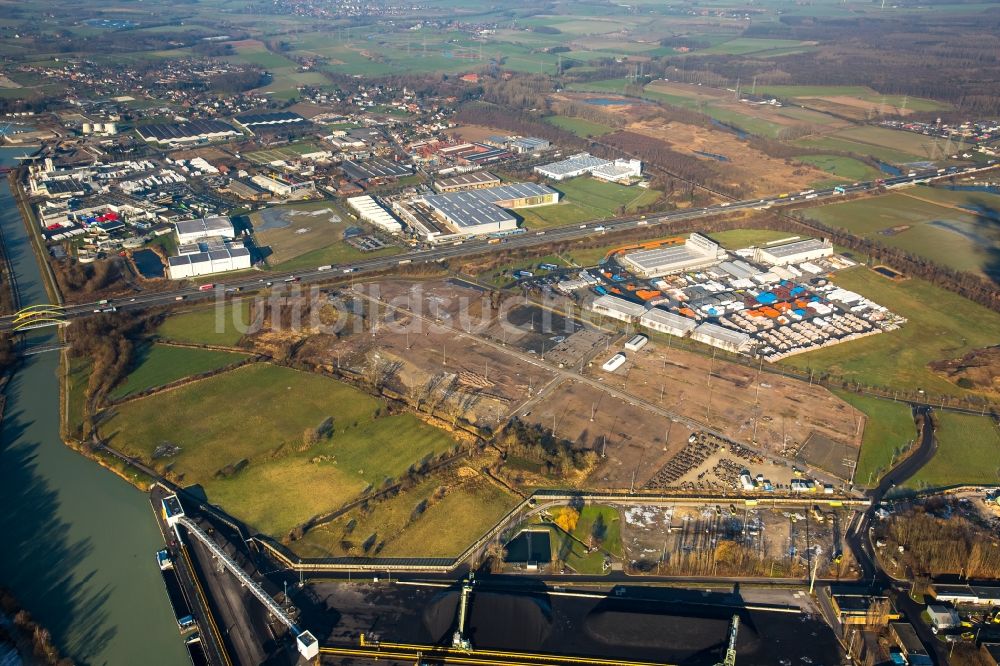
<point x="618" y="171"/>
<point x="278" y="119"/>
<point x="189" y="133"/>
<point x="770" y="302"/>
<point x="192" y="231"/>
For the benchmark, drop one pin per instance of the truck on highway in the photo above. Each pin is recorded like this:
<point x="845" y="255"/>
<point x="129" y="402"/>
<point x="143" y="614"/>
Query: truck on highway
<point x="403" y="262"/>
<point x="178" y="298"/>
<point x="348" y="270"/>
<point x="324" y="268"/>
<point x="839" y="189"/>
<point x="811" y="196"/>
<point x="103" y="301"/>
<point x="206" y="287"/>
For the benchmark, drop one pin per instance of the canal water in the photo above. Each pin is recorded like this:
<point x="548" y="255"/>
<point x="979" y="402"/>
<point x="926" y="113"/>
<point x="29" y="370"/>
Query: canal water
<point x="78" y="542"/>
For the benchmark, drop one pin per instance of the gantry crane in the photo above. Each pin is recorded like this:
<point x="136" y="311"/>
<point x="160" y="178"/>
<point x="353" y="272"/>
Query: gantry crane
<point x="734" y="628"/>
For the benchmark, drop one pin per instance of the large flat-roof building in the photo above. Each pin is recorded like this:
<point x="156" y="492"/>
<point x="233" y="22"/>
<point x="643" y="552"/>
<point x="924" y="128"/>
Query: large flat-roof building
<point x="793" y="253"/>
<point x="667" y="322"/>
<point x="376" y="168"/>
<point x="180" y="134"/>
<point x="909" y="644"/>
<point x="571" y="167"/>
<point x="271" y="120"/>
<point x="474" y="180"/>
<point x="721" y="337"/>
<point x="477" y="212"/>
<point x="192" y="231"/>
<point x="617" y="308"/>
<point x="619" y="171"/>
<point x="375" y="214"/>
<point x="207" y="263"/>
<point x="696" y="252"/>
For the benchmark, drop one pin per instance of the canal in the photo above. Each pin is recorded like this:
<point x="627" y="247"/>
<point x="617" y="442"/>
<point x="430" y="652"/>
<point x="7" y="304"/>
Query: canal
<point x="79" y="543"/>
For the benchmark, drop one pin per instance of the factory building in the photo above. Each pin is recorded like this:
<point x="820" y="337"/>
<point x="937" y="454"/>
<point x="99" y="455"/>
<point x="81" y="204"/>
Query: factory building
<point x="280" y="187"/>
<point x="275" y="120"/>
<point x="192" y="231"/>
<point x="571" y="167"/>
<point x="477" y="212"/>
<point x="619" y="171"/>
<point x="528" y="144"/>
<point x="185" y="134"/>
<point x="696" y="252"/>
<point x="617" y="308"/>
<point x="373" y="213"/>
<point x="375" y="169"/>
<point x="208" y="263"/>
<point x="722" y="338"/>
<point x="474" y="180"/>
<point x="667" y="322"/>
<point x="793" y="253"/>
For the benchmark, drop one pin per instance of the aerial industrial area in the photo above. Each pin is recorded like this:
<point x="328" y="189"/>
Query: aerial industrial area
<point x="455" y="333"/>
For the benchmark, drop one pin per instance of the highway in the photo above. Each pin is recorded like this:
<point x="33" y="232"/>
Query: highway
<point x="527" y="239"/>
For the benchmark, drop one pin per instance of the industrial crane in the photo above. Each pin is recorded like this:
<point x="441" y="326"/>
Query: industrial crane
<point x="734" y="628"/>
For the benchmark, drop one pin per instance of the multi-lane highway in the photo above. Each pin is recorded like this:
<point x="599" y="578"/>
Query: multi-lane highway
<point x="262" y="280"/>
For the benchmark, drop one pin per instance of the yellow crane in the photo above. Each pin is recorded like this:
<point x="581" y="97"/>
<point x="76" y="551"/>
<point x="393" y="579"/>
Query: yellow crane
<point x="734" y="628"/>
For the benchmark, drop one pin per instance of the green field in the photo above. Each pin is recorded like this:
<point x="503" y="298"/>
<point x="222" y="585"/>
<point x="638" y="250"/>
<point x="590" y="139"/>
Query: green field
<point x="748" y="45"/>
<point x="579" y="126"/>
<point x="155" y="365"/>
<point x="336" y="253"/>
<point x="209" y="325"/>
<point x="257" y="414"/>
<point x="941" y="325"/>
<point x="888" y="432"/>
<point x="77" y="377"/>
<point x="846" y="168"/>
<point x="954" y="229"/>
<point x="968" y="453"/>
<point x="843" y="144"/>
<point x="444" y="529"/>
<point x="584" y="199"/>
<point x="603" y="522"/>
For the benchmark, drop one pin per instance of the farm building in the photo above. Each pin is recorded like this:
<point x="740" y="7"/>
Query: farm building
<point x="571" y="167"/>
<point x="181" y="134"/>
<point x="207" y="263"/>
<point x="793" y="253"/>
<point x="667" y="322"/>
<point x="192" y="231"/>
<point x="373" y="213"/>
<point x="723" y="338"/>
<point x="617" y="308"/>
<point x="474" y="180"/>
<point x="696" y="252"/>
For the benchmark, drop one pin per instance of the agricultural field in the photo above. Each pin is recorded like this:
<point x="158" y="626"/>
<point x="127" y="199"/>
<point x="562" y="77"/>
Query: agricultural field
<point x="209" y="325"/>
<point x="953" y="228"/>
<point x="968" y="453"/>
<point x="275" y="479"/>
<point x="584" y="199"/>
<point x="747" y="46"/>
<point x="889" y="430"/>
<point x="155" y="365"/>
<point x="857" y="102"/>
<point x="439" y="517"/>
<point x="579" y="126"/>
<point x="941" y="325"/>
<point x="740" y="238"/>
<point x="293" y="230"/>
<point x="846" y="169"/>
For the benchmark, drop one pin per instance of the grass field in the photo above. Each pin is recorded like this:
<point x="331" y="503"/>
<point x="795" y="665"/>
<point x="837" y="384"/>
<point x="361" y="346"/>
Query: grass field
<point x="602" y="523"/>
<point x="748" y="45"/>
<point x="444" y="529"/>
<point x="846" y="168"/>
<point x="941" y="325"/>
<point x="295" y="229"/>
<point x="579" y="126"/>
<point x="335" y="253"/>
<point x="156" y="365"/>
<point x="889" y="429"/>
<point x="954" y="229"/>
<point x="906" y="142"/>
<point x="209" y="325"/>
<point x="258" y="414"/>
<point x="843" y="144"/>
<point x="585" y="198"/>
<point x="76" y="392"/>
<point x="968" y="453"/>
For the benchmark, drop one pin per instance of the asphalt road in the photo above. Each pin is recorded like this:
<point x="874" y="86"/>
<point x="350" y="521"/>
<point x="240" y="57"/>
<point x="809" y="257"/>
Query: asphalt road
<point x="479" y="245"/>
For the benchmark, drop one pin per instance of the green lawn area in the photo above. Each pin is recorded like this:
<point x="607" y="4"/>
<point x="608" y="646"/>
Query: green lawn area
<point x="156" y="365"/>
<point x="968" y="453"/>
<point x="941" y="325"/>
<point x="336" y="253"/>
<point x="747" y="45"/>
<point x="954" y="229"/>
<point x="444" y="529"/>
<point x="600" y="521"/>
<point x="579" y="126"/>
<point x="584" y="199"/>
<point x="843" y="144"/>
<point x="888" y="430"/>
<point x="208" y="325"/>
<point x="847" y="168"/>
<point x="76" y="391"/>
<point x="257" y="414"/>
